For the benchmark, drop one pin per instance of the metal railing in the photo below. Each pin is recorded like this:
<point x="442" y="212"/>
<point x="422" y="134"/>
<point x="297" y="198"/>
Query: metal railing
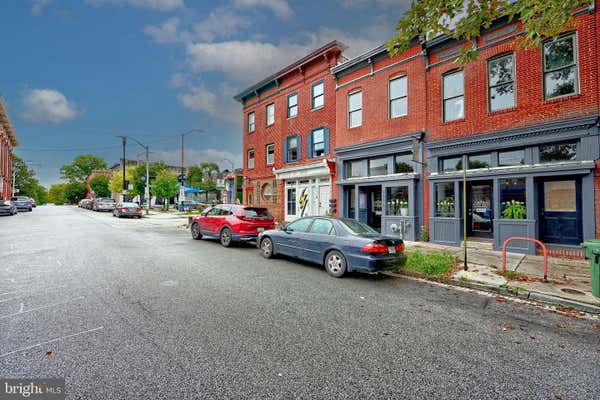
<point x="542" y="245"/>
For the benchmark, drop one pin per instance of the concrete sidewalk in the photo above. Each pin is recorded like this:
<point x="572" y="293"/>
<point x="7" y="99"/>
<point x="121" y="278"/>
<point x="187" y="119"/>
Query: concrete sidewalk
<point x="568" y="280"/>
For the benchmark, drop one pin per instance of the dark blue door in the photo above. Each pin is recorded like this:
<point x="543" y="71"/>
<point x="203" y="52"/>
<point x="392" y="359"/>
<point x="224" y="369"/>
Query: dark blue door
<point x="560" y="211"/>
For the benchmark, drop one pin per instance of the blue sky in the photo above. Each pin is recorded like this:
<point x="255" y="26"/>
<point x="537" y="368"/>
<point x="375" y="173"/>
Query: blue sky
<point x="76" y="73"/>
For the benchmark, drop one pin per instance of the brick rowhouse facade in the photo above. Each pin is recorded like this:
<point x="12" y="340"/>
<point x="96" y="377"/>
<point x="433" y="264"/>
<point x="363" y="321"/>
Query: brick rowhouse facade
<point x="301" y="182"/>
<point x="8" y="141"/>
<point x="525" y="122"/>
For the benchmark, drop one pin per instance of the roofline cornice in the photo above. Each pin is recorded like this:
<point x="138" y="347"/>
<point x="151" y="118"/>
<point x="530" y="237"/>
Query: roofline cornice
<point x="5" y="121"/>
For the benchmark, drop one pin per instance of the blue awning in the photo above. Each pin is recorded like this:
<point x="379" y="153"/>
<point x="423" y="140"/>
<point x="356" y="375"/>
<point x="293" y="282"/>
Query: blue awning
<point x="187" y="189"/>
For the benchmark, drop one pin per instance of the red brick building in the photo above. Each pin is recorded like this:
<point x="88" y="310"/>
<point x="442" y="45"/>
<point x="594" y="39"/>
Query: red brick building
<point x="525" y="123"/>
<point x="289" y="132"/>
<point x="8" y="141"/>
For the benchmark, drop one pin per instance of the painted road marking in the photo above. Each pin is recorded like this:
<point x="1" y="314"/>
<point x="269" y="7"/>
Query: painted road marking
<point x="40" y="308"/>
<point x="51" y="341"/>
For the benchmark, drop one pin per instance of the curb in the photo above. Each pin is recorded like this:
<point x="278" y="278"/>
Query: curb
<point x="523" y="295"/>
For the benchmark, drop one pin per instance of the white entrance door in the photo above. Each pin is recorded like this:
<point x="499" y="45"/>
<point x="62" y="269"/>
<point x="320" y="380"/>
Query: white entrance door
<point x="324" y="195"/>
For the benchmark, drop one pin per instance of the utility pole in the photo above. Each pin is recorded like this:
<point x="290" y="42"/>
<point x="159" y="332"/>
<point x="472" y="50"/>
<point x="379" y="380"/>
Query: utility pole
<point x="147" y="186"/>
<point x="181" y="181"/>
<point x="124" y="141"/>
<point x="464" y="161"/>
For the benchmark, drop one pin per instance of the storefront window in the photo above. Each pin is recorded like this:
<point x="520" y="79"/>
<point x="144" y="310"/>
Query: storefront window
<point x="452" y="164"/>
<point x="444" y="200"/>
<point x="403" y="163"/>
<point x="378" y="166"/>
<point x="512" y="198"/>
<point x="357" y="169"/>
<point x="558" y="152"/>
<point x="397" y="201"/>
<point x="510" y="158"/>
<point x="480" y="161"/>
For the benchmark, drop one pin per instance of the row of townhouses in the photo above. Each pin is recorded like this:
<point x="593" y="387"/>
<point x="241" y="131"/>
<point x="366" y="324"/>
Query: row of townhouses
<point x="383" y="139"/>
<point x="8" y="141"/>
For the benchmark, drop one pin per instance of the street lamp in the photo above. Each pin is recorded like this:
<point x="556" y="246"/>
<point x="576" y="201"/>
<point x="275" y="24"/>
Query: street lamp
<point x="230" y="162"/>
<point x="183" y="135"/>
<point x="147" y="188"/>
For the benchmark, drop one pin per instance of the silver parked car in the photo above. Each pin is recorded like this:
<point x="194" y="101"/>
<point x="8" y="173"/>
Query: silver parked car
<point x="7" y="207"/>
<point x="104" y="204"/>
<point x="127" y="210"/>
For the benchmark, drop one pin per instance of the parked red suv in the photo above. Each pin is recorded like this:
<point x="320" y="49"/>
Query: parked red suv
<point x="231" y="223"/>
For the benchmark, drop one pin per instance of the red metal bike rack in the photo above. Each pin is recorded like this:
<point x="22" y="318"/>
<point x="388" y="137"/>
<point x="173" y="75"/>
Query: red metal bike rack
<point x="544" y="249"/>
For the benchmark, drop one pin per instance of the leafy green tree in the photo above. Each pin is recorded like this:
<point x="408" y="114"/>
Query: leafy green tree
<point x="25" y="180"/>
<point x="115" y="184"/>
<point x="166" y="185"/>
<point x="75" y="191"/>
<point x="99" y="185"/>
<point x="194" y="177"/>
<point x="82" y="167"/>
<point x="466" y="19"/>
<point x="56" y="194"/>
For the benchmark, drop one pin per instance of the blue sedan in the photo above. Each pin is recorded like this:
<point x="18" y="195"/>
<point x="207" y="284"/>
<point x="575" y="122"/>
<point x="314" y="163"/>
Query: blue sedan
<point x="340" y="244"/>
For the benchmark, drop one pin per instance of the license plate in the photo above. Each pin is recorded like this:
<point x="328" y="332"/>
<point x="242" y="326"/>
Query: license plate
<point x="392" y="250"/>
<point x="260" y="230"/>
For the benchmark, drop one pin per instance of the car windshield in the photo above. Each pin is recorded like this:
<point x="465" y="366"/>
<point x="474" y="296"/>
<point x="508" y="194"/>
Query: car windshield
<point x="358" y="228"/>
<point x="256" y="212"/>
<point x="130" y="205"/>
<point x="107" y="200"/>
<point x="4" y="203"/>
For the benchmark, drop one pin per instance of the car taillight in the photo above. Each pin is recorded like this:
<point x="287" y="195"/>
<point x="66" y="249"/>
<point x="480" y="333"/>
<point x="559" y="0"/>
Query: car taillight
<point x="139" y="209"/>
<point x="374" y="248"/>
<point x="123" y="209"/>
<point x="400" y="248"/>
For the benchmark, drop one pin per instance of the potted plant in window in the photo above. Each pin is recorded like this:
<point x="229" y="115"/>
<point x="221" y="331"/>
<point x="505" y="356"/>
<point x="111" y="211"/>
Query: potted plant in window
<point x="445" y="207"/>
<point x="514" y="210"/>
<point x="403" y="206"/>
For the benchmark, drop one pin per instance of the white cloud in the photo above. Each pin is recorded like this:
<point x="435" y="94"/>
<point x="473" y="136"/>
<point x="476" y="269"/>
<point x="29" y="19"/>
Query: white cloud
<point x="165" y="33"/>
<point x="160" y="5"/>
<point x="243" y="61"/>
<point x="179" y="80"/>
<point x="220" y="23"/>
<point x="38" y="6"/>
<point x="280" y="8"/>
<point x="197" y="156"/>
<point x="218" y="104"/>
<point x="402" y="4"/>
<point x="47" y="105"/>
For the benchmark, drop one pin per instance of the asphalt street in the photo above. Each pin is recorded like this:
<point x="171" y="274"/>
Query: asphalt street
<point x="126" y="309"/>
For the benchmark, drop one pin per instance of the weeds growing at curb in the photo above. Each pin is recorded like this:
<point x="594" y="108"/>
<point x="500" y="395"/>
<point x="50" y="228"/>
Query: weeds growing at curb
<point x="431" y="265"/>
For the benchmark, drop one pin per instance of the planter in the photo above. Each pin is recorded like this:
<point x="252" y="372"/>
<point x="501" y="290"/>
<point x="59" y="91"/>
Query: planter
<point x="404" y="212"/>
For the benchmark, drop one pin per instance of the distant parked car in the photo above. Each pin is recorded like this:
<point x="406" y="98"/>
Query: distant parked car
<point x="104" y="204"/>
<point x="89" y="204"/>
<point x="82" y="202"/>
<point x="22" y="203"/>
<point x="127" y="210"/>
<point x="7" y="207"/>
<point x="339" y="244"/>
<point x="231" y="223"/>
<point x="189" y="205"/>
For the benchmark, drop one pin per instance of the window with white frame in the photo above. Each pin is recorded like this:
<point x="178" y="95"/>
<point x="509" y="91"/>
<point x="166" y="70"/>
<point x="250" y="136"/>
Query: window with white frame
<point x="318" y="142"/>
<point x="270" y="154"/>
<point x="251" y="122"/>
<point x="454" y="96"/>
<point x="271" y="114"/>
<point x="354" y="109"/>
<point x="501" y="82"/>
<point x="292" y="109"/>
<point x="318" y="95"/>
<point x="293" y="148"/>
<point x="250" y="158"/>
<point x="398" y="97"/>
<point x="560" y="67"/>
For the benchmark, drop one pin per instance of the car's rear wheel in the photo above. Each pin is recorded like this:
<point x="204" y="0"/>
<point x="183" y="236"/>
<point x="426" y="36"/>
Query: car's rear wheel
<point x="266" y="247"/>
<point x="225" y="237"/>
<point x="335" y="264"/>
<point x="196" y="235"/>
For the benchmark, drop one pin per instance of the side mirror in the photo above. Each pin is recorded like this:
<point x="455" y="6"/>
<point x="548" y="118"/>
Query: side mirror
<point x="282" y="228"/>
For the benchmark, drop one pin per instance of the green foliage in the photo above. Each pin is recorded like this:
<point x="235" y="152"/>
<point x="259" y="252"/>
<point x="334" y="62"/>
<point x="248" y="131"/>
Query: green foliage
<point x="82" y="167"/>
<point x="430" y="264"/>
<point x="511" y="275"/>
<point x="514" y="210"/>
<point x="26" y="182"/>
<point x="424" y="234"/>
<point x="166" y="185"/>
<point x="465" y="20"/>
<point x="56" y="194"/>
<point x="116" y="181"/>
<point x="203" y="176"/>
<point x="74" y="192"/>
<point x="99" y="185"/>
